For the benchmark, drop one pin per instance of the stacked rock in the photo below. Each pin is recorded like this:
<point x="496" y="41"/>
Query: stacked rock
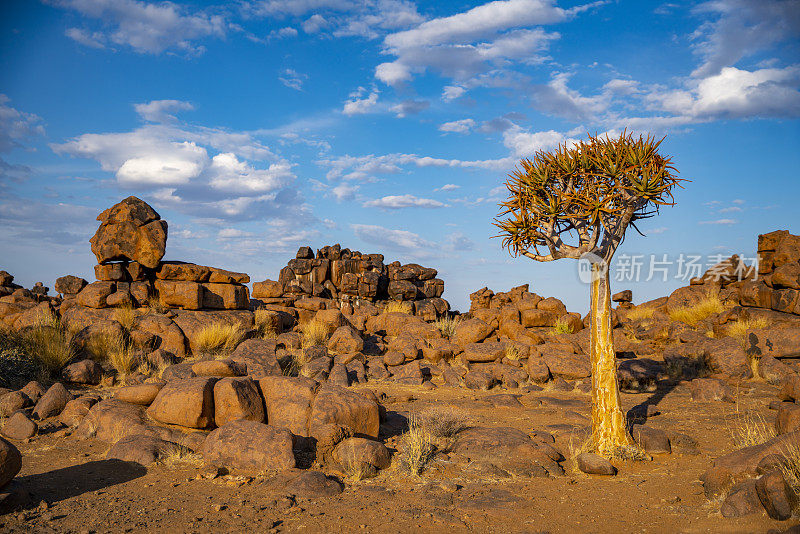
<point x="7" y="285"/>
<point x="778" y="284"/>
<point x="129" y="246"/>
<point x="350" y="277"/>
<point x="623" y="298"/>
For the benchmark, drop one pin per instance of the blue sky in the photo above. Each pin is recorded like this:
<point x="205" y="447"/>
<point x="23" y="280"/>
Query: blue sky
<point x="388" y="126"/>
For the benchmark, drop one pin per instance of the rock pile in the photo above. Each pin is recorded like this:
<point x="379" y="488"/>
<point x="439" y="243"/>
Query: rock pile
<point x="350" y="277"/>
<point x="129" y="246"/>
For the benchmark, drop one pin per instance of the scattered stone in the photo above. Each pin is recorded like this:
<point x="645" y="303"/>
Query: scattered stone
<point x="778" y="499"/>
<point x="143" y="449"/>
<point x="594" y="464"/>
<point x="711" y="389"/>
<point x="19" y="427"/>
<point x="53" y="401"/>
<point x="142" y="394"/>
<point x="83" y="372"/>
<point x="188" y="402"/>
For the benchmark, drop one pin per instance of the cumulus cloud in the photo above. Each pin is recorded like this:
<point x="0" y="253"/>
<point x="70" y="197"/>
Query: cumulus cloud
<point x="162" y="110"/>
<point x="16" y="127"/>
<point x="524" y="143"/>
<point x="459" y="242"/>
<point x="448" y="187"/>
<point x="736" y="93"/>
<point x="394" y="202"/>
<point x="452" y="92"/>
<point x="461" y="126"/>
<point x="470" y="43"/>
<point x="741" y="29"/>
<point x="292" y="79"/>
<point x="358" y="104"/>
<point x="148" y="28"/>
<point x="197" y="170"/>
<point x="726" y="222"/>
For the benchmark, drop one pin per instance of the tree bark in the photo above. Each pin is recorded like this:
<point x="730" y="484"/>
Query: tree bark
<point x="609" y="431"/>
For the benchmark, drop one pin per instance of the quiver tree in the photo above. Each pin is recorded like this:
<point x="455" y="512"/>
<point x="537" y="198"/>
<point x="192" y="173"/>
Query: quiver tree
<point x="577" y="202"/>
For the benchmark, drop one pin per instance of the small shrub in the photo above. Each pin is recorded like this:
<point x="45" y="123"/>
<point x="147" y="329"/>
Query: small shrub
<point x="157" y="305"/>
<point x="314" y="333"/>
<point x="219" y="339"/>
<point x="447" y="325"/>
<point x="394" y="306"/>
<point x="443" y="421"/>
<point x="17" y="368"/>
<point x="264" y="325"/>
<point x="125" y="358"/>
<point x="562" y="327"/>
<point x="693" y="315"/>
<point x="417" y="446"/>
<point x="176" y="456"/>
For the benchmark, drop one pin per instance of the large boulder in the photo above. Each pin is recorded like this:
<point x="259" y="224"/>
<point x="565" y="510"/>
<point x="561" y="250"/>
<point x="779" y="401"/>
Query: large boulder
<point x="237" y="398"/>
<point x="471" y="331"/>
<point x="337" y="405"/>
<point x="249" y="445"/>
<point x="144" y="449"/>
<point x="83" y="372"/>
<point x="188" y="402"/>
<point x="10" y="462"/>
<point x="345" y="340"/>
<point x="508" y="449"/>
<point x="130" y="230"/>
<point x="260" y="357"/>
<point x="288" y="402"/>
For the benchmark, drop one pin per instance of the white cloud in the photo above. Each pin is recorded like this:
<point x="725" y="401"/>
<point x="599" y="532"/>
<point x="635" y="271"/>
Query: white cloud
<point x="410" y="107"/>
<point x="736" y="93"/>
<point x="227" y="173"/>
<point x="448" y="187"/>
<point x="720" y="222"/>
<point x="344" y="191"/>
<point x="462" y="126"/>
<point x="358" y="105"/>
<point x="558" y="99"/>
<point x="451" y="92"/>
<point x="525" y="144"/>
<point x="161" y="110"/>
<point x="86" y="38"/>
<point x="401" y="240"/>
<point x="314" y="23"/>
<point x="232" y="233"/>
<point x="148" y="28"/>
<point x="197" y="170"/>
<point x="394" y="202"/>
<point x="469" y="43"/>
<point x="282" y="33"/>
<point x="292" y="79"/>
<point x="741" y="29"/>
<point x="458" y="242"/>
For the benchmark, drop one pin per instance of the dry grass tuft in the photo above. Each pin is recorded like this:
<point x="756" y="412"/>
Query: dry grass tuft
<point x="49" y="343"/>
<point x="639" y="313"/>
<point x="790" y="468"/>
<point x="562" y="327"/>
<point x="394" y="306"/>
<point x="443" y="421"/>
<point x="177" y="456"/>
<point x="740" y="327"/>
<point x="157" y="305"/>
<point x="219" y="339"/>
<point x="314" y="333"/>
<point x="126" y="316"/>
<point x="264" y="324"/>
<point x="417" y="446"/>
<point x="693" y="315"/>
<point x="447" y="325"/>
<point x="512" y="352"/>
<point x="750" y="428"/>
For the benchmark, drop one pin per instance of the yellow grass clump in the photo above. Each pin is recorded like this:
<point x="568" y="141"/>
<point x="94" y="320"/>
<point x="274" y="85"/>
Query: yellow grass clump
<point x="417" y="446"/>
<point x="443" y="421"/>
<point x="639" y="313"/>
<point x="49" y="342"/>
<point x="126" y="316"/>
<point x="398" y="307"/>
<point x="562" y="327"/>
<point x="264" y="324"/>
<point x="740" y="327"/>
<point x="219" y="339"/>
<point x="447" y="325"/>
<point x="692" y="315"/>
<point x="314" y="333"/>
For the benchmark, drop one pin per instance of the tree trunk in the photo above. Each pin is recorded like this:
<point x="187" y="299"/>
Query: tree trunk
<point x="609" y="431"/>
